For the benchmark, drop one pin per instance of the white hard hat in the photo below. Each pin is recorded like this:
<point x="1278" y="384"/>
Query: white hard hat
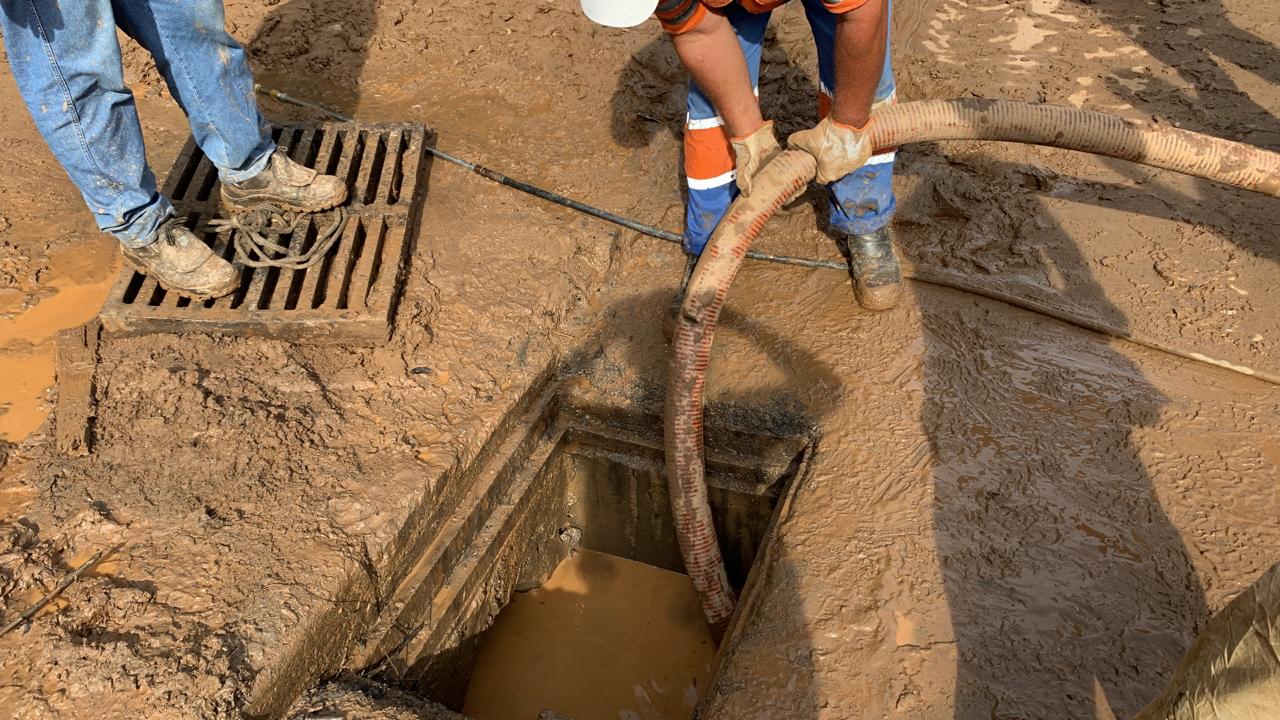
<point x="619" y="13"/>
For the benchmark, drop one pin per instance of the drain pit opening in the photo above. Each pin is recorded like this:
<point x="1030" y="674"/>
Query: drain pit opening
<point x="617" y="630"/>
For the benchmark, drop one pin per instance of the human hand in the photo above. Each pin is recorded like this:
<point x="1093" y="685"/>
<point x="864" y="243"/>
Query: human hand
<point x="752" y="153"/>
<point x="839" y="149"/>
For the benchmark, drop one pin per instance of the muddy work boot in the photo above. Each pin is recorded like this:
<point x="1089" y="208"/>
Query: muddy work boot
<point x="181" y="263"/>
<point x="877" y="277"/>
<point x="285" y="183"/>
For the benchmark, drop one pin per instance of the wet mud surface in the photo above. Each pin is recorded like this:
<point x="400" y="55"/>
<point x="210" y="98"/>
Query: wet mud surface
<point x="1006" y="516"/>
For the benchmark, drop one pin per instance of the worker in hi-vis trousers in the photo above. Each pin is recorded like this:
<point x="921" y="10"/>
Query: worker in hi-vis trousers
<point x="727" y="140"/>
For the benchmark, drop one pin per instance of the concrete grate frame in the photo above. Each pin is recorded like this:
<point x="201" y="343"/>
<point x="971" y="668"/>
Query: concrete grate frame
<point x="350" y="296"/>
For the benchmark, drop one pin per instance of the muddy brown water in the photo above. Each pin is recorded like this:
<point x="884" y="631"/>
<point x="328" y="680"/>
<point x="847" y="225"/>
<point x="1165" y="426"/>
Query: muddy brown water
<point x="605" y="638"/>
<point x="26" y="346"/>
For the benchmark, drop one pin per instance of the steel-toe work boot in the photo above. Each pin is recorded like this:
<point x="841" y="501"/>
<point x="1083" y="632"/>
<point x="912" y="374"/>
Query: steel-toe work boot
<point x="286" y="184"/>
<point x="183" y="264"/>
<point x="877" y="276"/>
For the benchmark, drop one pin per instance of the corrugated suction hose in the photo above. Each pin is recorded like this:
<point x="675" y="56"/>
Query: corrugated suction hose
<point x="787" y="175"/>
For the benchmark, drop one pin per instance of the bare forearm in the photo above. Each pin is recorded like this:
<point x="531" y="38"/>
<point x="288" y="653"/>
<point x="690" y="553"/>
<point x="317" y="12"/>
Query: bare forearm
<point x="711" y="54"/>
<point x="861" y="35"/>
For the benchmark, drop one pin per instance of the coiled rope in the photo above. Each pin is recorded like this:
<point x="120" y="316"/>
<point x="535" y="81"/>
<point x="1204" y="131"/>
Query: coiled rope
<point x="256" y="233"/>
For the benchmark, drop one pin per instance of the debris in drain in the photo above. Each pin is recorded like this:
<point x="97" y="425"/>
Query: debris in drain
<point x="571" y="536"/>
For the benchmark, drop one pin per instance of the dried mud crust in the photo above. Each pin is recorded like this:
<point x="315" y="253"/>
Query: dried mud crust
<point x="246" y="483"/>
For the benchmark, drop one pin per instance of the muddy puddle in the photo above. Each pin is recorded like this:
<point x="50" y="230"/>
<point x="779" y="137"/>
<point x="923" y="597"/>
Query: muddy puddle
<point x="79" y="278"/>
<point x="605" y="639"/>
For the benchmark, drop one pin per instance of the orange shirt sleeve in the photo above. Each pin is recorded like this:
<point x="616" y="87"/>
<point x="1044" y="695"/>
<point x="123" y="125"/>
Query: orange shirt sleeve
<point x="678" y="16"/>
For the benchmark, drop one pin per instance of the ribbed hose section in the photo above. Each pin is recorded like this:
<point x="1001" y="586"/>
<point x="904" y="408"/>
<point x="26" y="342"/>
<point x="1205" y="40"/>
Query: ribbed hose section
<point x="1183" y="151"/>
<point x="787" y="175"/>
<point x="781" y="181"/>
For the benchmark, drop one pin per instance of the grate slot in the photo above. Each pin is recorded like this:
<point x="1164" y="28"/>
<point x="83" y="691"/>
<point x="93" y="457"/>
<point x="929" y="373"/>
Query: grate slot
<point x="133" y="285"/>
<point x="384" y="277"/>
<point x="396" y="176"/>
<point x="371" y="144"/>
<point x="367" y="270"/>
<point x="338" y="152"/>
<point x="157" y="295"/>
<point x="357" y="139"/>
<point x="340" y="282"/>
<point x="207" y="181"/>
<point x="374" y="179"/>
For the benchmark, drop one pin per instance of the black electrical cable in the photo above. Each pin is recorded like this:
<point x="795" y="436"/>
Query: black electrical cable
<point x="495" y="176"/>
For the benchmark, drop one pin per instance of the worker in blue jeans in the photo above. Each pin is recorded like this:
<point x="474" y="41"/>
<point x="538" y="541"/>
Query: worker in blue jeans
<point x="65" y="57"/>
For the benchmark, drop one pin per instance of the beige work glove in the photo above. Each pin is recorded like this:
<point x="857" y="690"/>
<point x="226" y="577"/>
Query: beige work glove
<point x="752" y="153"/>
<point x="839" y="149"/>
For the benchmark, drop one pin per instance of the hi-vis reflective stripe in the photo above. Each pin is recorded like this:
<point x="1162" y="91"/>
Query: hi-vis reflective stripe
<point x="710" y="183"/>
<point x="704" y="123"/>
<point x="692" y="123"/>
<point x="882" y="158"/>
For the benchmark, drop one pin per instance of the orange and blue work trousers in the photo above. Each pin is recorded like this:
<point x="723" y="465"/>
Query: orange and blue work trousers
<point x="860" y="202"/>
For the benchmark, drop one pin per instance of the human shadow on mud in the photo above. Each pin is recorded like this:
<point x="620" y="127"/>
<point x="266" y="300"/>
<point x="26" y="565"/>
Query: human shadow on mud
<point x="315" y="49"/>
<point x="771" y="396"/>
<point x="1194" y="41"/>
<point x="649" y="97"/>
<point x="1068" y="586"/>
<point x="1204" y="34"/>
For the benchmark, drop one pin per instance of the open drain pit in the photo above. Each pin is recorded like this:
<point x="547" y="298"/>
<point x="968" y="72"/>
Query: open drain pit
<point x="574" y="511"/>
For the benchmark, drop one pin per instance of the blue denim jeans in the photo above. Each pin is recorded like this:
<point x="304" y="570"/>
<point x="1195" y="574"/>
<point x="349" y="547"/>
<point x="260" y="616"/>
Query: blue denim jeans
<point x="66" y="59"/>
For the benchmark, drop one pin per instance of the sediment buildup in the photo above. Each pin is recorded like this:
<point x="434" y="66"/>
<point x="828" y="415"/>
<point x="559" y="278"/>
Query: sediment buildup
<point x="786" y="177"/>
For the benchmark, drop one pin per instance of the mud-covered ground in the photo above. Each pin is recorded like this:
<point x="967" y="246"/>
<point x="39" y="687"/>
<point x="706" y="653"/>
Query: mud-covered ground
<point x="1012" y="519"/>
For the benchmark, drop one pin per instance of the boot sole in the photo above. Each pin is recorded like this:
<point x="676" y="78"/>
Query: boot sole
<point x="185" y="292"/>
<point x="878" y="298"/>
<point x="252" y="201"/>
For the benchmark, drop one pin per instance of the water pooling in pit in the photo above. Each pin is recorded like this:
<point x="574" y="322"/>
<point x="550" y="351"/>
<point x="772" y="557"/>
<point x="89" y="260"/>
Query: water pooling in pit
<point x="617" y="631"/>
<point x="606" y="637"/>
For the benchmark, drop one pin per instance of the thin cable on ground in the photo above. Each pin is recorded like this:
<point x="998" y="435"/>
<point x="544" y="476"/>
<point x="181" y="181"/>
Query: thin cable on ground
<point x="63" y="585"/>
<point x="256" y="230"/>
<point x="482" y="171"/>
<point x="930" y="277"/>
<point x="917" y="274"/>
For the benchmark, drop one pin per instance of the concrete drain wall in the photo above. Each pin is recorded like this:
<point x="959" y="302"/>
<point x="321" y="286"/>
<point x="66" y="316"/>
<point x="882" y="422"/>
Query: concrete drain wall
<point x="564" y="477"/>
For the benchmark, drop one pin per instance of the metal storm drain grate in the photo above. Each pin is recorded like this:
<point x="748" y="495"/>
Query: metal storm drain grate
<point x="348" y="297"/>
